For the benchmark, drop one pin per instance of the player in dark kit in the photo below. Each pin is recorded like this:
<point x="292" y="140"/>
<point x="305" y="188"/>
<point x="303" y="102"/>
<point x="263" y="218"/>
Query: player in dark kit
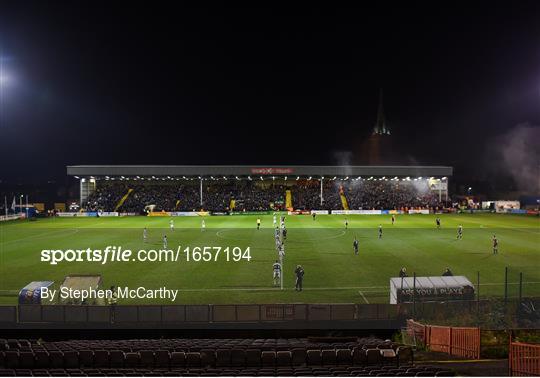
<point x="495" y="245"/>
<point x="438" y="222"/>
<point x="299" y="272"/>
<point x="393" y="219"/>
<point x="355" y="245"/>
<point x="314" y="215"/>
<point x="380" y="231"/>
<point x="346" y="223"/>
<point x="460" y="232"/>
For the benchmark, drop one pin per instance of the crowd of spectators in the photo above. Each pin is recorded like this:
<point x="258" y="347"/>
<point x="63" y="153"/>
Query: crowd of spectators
<point x="389" y="195"/>
<point x="105" y="197"/>
<point x="247" y="196"/>
<point x="166" y="197"/>
<point x="307" y="196"/>
<point x="260" y="196"/>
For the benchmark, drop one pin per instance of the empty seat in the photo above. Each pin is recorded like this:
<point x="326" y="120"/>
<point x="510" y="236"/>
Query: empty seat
<point x="328" y="357"/>
<point x="359" y="356"/>
<point x="26" y="360"/>
<point x="208" y="357"/>
<point x="223" y="357"/>
<point x="445" y="373"/>
<point x="343" y="356"/>
<point x="238" y="357"/>
<point x="162" y="358"/>
<point x="71" y="359"/>
<point x="193" y="359"/>
<point x="299" y="356"/>
<point x="147" y="358"/>
<point x="132" y="360"/>
<point x="253" y="357"/>
<point x="101" y="359"/>
<point x="283" y="358"/>
<point x="11" y="359"/>
<point x="373" y="356"/>
<point x="56" y="359"/>
<point x="178" y="359"/>
<point x="39" y="373"/>
<point x="86" y="358"/>
<point x="314" y="357"/>
<point x="116" y="358"/>
<point x="268" y="358"/>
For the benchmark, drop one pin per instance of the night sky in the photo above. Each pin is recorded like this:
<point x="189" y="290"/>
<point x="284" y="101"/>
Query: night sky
<point x="91" y="83"/>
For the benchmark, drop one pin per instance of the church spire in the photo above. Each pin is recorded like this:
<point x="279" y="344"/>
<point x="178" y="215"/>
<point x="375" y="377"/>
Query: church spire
<point x="380" y="127"/>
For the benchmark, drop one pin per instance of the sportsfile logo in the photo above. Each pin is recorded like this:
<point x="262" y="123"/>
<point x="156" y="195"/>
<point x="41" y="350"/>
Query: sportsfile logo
<point x="119" y="254"/>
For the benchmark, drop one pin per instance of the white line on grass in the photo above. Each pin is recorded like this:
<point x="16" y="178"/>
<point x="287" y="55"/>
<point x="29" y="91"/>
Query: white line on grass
<point x="72" y="230"/>
<point x="363" y="296"/>
<point x="219" y="235"/>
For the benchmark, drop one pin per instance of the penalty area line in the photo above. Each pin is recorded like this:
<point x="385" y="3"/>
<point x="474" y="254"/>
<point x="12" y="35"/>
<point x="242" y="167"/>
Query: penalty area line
<point x="363" y="296"/>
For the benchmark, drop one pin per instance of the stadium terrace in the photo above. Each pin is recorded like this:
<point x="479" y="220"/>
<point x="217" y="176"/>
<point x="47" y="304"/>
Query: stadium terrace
<point x="144" y="188"/>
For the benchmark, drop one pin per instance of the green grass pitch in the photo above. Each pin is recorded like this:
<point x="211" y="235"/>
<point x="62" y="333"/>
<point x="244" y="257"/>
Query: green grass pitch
<point x="333" y="273"/>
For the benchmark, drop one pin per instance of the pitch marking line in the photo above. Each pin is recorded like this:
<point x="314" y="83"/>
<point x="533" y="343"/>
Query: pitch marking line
<point x="219" y="235"/>
<point x="363" y="296"/>
<point x="48" y="233"/>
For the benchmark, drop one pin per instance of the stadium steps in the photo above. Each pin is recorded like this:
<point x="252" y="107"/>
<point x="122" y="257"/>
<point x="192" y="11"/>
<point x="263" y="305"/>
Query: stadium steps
<point x="288" y="199"/>
<point x="123" y="199"/>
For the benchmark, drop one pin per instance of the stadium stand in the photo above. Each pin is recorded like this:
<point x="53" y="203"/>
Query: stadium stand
<point x="262" y="196"/>
<point x="209" y="357"/>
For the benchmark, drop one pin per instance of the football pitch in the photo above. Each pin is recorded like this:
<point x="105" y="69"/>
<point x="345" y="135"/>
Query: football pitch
<point x="333" y="273"/>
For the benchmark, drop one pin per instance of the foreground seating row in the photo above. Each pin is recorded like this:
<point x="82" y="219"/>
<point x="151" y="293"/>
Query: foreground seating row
<point x="358" y="356"/>
<point x="384" y="371"/>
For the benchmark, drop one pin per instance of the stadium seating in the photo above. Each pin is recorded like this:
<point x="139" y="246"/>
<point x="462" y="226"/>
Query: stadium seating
<point x="257" y="196"/>
<point x="209" y="357"/>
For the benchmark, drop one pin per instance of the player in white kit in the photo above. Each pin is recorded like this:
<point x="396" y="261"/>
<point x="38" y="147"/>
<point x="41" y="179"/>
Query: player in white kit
<point x="277" y="272"/>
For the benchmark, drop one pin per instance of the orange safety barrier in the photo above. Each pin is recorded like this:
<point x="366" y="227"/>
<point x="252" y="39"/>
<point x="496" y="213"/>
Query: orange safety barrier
<point x="440" y="339"/>
<point x="524" y="359"/>
<point x="465" y="342"/>
<point x="456" y="341"/>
